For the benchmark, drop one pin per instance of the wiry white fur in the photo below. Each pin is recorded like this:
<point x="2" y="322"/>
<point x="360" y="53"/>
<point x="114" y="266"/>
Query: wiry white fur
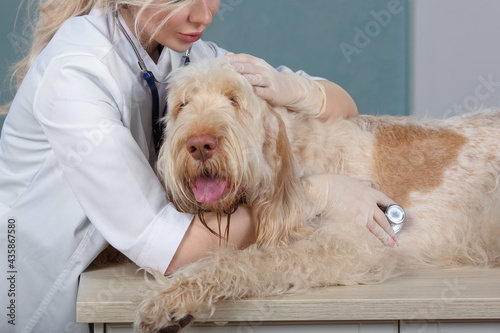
<point x="453" y="219"/>
<point x="214" y="113"/>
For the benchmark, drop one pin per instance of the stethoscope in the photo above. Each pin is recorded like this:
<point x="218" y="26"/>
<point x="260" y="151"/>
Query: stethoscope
<point x="395" y="215"/>
<point x="151" y="81"/>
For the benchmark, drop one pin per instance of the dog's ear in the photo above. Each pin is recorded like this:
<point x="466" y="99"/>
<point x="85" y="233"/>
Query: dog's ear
<point x="279" y="210"/>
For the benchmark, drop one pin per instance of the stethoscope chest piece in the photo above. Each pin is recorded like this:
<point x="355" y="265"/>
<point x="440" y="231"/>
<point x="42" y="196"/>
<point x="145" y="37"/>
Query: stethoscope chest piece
<point x="395" y="215"/>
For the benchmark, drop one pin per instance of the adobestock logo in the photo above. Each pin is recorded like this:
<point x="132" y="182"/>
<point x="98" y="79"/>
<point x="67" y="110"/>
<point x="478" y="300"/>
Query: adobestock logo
<point x="473" y="102"/>
<point x="227" y="6"/>
<point x="76" y="155"/>
<point x="372" y="29"/>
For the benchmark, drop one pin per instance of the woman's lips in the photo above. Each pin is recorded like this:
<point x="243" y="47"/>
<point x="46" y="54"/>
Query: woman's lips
<point x="190" y="38"/>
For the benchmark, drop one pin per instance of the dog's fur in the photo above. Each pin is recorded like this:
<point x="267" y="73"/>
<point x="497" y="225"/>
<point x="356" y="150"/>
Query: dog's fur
<point x="445" y="173"/>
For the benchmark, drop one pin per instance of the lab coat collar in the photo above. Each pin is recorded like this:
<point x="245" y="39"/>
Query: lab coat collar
<point x="168" y="60"/>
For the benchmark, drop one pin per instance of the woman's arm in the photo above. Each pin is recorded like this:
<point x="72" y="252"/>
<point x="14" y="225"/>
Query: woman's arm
<point x="338" y="102"/>
<point x="199" y="241"/>
<point x="299" y="93"/>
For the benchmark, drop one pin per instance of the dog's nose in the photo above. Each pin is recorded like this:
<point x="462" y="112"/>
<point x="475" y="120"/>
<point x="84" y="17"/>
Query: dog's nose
<point x="202" y="147"/>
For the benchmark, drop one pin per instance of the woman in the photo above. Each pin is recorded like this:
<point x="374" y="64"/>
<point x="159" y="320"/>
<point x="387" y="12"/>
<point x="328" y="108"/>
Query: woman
<point x="77" y="149"/>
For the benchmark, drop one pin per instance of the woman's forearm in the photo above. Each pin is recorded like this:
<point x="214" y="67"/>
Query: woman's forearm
<point x="338" y="102"/>
<point x="199" y="241"/>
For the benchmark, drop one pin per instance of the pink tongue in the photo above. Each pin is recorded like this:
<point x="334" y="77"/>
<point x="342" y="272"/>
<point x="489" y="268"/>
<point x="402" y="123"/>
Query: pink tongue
<point x="208" y="189"/>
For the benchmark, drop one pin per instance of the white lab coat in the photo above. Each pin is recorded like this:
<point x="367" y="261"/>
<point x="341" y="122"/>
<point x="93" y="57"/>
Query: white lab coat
<point x="75" y="171"/>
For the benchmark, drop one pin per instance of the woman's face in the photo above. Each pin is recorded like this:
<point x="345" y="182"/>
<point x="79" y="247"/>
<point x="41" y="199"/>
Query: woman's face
<point x="180" y="31"/>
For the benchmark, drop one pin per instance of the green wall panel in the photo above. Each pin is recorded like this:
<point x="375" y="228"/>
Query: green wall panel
<point x="359" y="44"/>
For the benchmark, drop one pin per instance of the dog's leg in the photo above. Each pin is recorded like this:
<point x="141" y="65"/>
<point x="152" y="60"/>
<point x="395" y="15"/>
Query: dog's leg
<point x="263" y="271"/>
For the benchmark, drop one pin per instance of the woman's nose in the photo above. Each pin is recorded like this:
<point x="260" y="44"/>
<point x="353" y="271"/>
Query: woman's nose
<point x="201" y="12"/>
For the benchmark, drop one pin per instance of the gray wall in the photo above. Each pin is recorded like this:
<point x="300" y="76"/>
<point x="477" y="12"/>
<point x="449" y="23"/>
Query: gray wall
<point x="455" y="57"/>
<point x="359" y="44"/>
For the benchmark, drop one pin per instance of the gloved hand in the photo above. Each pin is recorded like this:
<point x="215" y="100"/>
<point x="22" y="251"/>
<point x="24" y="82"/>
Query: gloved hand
<point x="290" y="90"/>
<point x="351" y="200"/>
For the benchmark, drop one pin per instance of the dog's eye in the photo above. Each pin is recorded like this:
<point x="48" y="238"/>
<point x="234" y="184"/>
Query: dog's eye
<point x="232" y="96"/>
<point x="177" y="108"/>
<point x="234" y="101"/>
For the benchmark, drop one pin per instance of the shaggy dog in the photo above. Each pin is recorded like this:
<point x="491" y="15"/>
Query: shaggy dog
<point x="224" y="146"/>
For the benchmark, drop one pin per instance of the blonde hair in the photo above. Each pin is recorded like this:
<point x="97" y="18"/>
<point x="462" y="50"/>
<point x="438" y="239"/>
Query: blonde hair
<point x="49" y="15"/>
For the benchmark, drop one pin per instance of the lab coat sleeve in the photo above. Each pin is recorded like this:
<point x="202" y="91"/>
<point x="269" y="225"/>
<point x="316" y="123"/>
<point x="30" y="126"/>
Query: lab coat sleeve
<point x="283" y="68"/>
<point x="77" y="104"/>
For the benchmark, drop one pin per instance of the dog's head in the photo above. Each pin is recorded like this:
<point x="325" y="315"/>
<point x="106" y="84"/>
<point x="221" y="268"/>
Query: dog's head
<point x="222" y="145"/>
<point x="212" y="148"/>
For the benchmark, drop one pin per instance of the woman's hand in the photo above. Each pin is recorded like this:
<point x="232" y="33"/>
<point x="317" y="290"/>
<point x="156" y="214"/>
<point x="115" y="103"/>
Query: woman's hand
<point x="352" y="200"/>
<point x="291" y="90"/>
<point x="322" y="99"/>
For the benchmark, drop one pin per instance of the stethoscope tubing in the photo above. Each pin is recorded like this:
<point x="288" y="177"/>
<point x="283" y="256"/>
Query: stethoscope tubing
<point x="151" y="80"/>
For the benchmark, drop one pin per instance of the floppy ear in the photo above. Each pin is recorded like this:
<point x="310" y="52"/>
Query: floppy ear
<point x="279" y="210"/>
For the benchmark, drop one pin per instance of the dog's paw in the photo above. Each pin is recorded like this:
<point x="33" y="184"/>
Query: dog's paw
<point x="168" y="306"/>
<point x="160" y="314"/>
<point x="164" y="321"/>
<point x="177" y="326"/>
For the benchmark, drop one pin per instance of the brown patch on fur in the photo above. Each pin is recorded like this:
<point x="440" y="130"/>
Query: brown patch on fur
<point x="423" y="155"/>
